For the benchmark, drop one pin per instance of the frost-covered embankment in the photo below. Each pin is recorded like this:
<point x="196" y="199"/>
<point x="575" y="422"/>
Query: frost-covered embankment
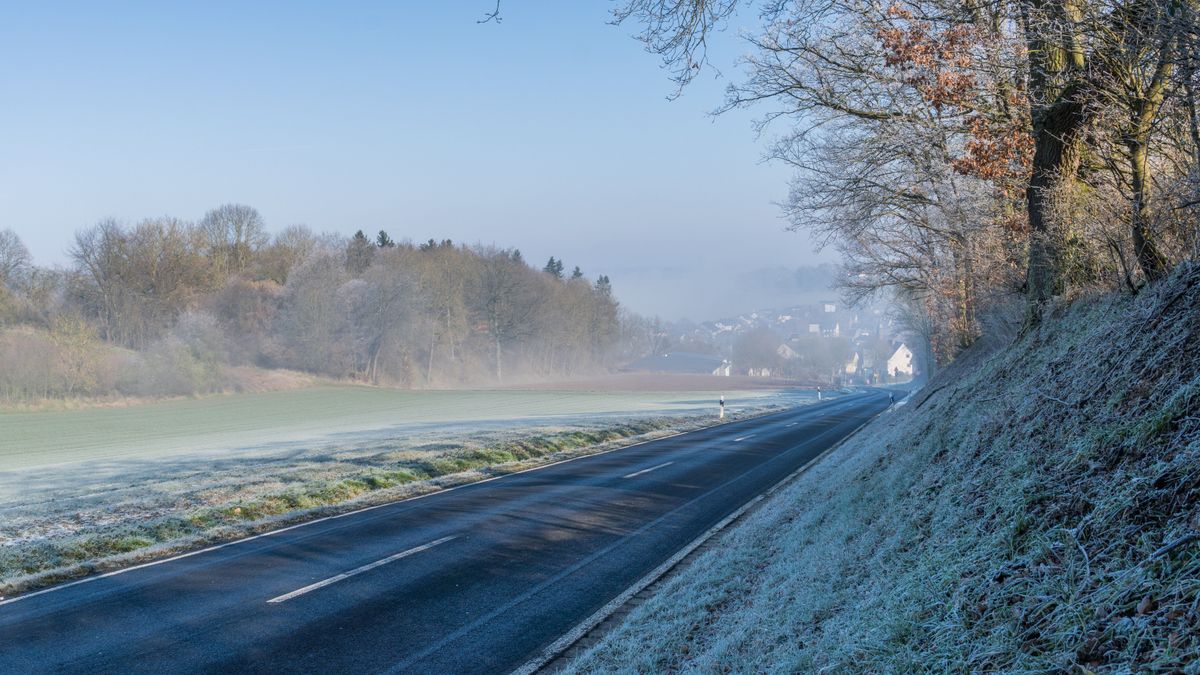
<point x="1035" y="509"/>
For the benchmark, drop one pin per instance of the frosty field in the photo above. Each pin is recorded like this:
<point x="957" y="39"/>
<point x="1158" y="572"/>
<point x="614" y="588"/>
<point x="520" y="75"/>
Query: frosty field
<point x="89" y="489"/>
<point x="262" y="421"/>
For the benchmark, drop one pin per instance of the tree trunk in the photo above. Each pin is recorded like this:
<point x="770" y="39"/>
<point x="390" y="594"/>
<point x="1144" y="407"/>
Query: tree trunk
<point x="1058" y="131"/>
<point x="1194" y="127"/>
<point x="1055" y="54"/>
<point x="432" y="348"/>
<point x="964" y="269"/>
<point x="499" y="372"/>
<point x="1150" y="259"/>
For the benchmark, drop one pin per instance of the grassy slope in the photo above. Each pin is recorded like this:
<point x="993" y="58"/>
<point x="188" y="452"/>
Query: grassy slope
<point x="1035" y="511"/>
<point x="153" y="430"/>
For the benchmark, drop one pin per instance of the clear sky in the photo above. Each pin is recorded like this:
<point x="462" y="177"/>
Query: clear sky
<point x="550" y="131"/>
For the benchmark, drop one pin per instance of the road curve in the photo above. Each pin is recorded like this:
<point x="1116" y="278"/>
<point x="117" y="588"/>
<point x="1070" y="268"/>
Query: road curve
<point x="477" y="579"/>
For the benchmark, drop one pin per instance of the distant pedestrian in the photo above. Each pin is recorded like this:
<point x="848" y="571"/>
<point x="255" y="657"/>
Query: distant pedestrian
<point x="892" y="399"/>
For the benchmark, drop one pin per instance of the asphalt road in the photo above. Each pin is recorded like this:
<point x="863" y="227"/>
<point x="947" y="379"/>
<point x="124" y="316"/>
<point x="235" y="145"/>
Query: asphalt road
<point x="477" y="579"/>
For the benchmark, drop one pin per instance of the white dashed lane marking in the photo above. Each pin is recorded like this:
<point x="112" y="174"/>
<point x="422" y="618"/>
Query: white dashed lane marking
<point x="358" y="570"/>
<point x="638" y="473"/>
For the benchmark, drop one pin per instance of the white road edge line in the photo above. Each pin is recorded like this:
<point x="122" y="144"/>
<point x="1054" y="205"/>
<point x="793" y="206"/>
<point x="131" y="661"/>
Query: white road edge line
<point x="359" y="570"/>
<point x="638" y="473"/>
<point x="584" y="627"/>
<point x="739" y="440"/>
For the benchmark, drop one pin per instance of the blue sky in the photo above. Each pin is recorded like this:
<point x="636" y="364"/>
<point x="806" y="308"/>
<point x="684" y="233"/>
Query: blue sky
<point x="550" y="131"/>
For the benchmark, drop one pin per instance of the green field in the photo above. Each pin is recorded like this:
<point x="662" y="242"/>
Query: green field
<point x="242" y="421"/>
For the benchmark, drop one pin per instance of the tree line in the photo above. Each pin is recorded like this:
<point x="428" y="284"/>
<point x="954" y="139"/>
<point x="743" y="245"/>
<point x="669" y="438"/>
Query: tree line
<point x="166" y="306"/>
<point x="976" y="159"/>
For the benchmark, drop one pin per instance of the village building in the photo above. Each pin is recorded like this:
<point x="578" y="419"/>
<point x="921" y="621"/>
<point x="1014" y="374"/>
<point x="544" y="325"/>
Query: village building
<point x="900" y="364"/>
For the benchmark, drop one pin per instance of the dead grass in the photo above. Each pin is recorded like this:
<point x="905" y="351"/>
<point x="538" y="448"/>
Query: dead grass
<point x="236" y="379"/>
<point x="1038" y="511"/>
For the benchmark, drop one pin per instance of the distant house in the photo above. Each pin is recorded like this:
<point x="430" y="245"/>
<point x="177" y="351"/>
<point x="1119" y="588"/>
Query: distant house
<point x="900" y="362"/>
<point x="853" y="365"/>
<point x="786" y="353"/>
<point x="682" y="362"/>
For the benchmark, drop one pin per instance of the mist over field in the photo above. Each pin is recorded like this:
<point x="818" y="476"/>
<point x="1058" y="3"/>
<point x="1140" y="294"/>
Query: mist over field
<point x="676" y="292"/>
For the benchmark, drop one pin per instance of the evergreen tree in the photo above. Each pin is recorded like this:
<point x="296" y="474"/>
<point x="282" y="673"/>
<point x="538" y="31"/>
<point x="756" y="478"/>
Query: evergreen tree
<point x="604" y="286"/>
<point x="358" y="253"/>
<point x="384" y="241"/>
<point x="554" y="268"/>
<point x="577" y="274"/>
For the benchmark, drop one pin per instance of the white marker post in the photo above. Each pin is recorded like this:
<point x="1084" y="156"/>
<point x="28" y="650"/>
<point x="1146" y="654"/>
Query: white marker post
<point x="818" y="392"/>
<point x="722" y="415"/>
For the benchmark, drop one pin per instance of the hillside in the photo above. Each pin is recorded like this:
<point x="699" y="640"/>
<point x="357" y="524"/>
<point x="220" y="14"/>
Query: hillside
<point x="1033" y="509"/>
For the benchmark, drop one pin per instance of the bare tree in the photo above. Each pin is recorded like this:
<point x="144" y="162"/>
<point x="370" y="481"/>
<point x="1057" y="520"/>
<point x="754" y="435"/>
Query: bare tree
<point x="383" y="308"/>
<point x="312" y="323"/>
<point x="445" y="274"/>
<point x="99" y="253"/>
<point x="502" y="295"/>
<point x="1137" y="48"/>
<point x="15" y="260"/>
<point x="678" y="31"/>
<point x="289" y="247"/>
<point x="233" y="233"/>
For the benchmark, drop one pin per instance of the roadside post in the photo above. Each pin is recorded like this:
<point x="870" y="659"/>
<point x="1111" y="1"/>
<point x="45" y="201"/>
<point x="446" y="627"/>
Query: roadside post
<point x="722" y="415"/>
<point x="818" y="392"/>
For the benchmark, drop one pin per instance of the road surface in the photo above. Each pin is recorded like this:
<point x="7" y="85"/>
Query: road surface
<point x="477" y="579"/>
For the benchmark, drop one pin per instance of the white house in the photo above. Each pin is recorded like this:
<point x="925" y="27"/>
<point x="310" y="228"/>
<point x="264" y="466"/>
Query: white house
<point x="853" y="364"/>
<point x="901" y="361"/>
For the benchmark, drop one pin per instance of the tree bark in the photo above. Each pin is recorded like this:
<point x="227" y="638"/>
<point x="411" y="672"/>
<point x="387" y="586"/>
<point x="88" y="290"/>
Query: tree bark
<point x="1150" y="259"/>
<point x="1058" y="115"/>
<point x="432" y="349"/>
<point x="1058" y="132"/>
<point x="499" y="371"/>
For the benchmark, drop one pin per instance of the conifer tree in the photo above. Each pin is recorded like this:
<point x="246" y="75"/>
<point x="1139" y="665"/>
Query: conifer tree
<point x="554" y="268"/>
<point x="358" y="253"/>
